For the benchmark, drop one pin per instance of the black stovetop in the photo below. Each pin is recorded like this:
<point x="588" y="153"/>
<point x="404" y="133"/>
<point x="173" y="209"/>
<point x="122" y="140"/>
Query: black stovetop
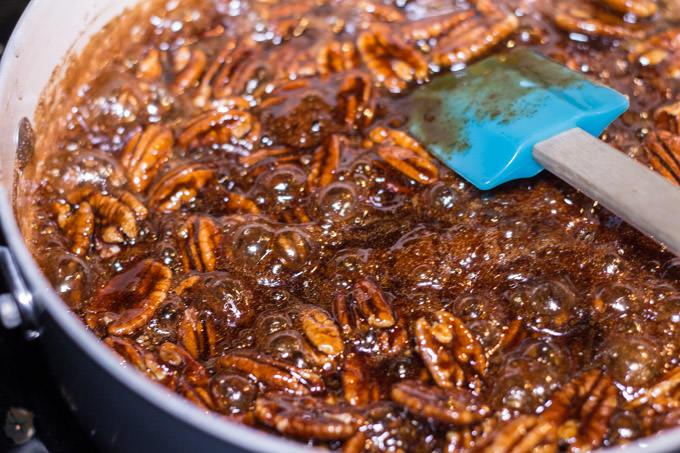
<point x="33" y="416"/>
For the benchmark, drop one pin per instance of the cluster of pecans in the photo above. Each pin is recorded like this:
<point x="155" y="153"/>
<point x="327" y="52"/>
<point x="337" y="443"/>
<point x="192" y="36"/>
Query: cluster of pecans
<point x="234" y="208"/>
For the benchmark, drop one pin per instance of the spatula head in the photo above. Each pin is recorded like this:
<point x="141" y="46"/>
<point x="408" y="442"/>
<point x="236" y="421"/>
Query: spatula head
<point x="484" y="121"/>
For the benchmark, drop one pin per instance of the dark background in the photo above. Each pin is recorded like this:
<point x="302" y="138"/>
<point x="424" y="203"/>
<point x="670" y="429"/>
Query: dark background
<point x="33" y="416"/>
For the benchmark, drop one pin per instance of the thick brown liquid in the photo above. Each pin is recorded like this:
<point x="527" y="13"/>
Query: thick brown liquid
<point x="232" y="208"/>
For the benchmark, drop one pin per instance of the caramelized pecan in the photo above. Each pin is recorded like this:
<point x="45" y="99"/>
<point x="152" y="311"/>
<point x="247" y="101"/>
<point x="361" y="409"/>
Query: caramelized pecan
<point x="525" y="434"/>
<point x="179" y="187"/>
<point x="307" y="417"/>
<point x="189" y="65"/>
<point x="668" y="117"/>
<point x="78" y="226"/>
<point x="405" y="154"/>
<point x="393" y="63"/>
<point x="181" y="360"/>
<point x="140" y="358"/>
<point x="586" y="19"/>
<point x="638" y="8"/>
<point x="473" y="39"/>
<point x="659" y="51"/>
<point x="197" y="334"/>
<point x="450" y="351"/>
<point x="219" y="128"/>
<point x="337" y="57"/>
<point x="432" y="27"/>
<point x="368" y="319"/>
<point x="663" y="394"/>
<point x="589" y="399"/>
<point x="356" y="100"/>
<point x="200" y="237"/>
<point x="325" y="162"/>
<point x="455" y="406"/>
<point x="145" y="153"/>
<point x="119" y="219"/>
<point x="358" y="386"/>
<point x="149" y="67"/>
<point x="273" y="374"/>
<point x="322" y="332"/>
<point x="130" y="299"/>
<point x="663" y="151"/>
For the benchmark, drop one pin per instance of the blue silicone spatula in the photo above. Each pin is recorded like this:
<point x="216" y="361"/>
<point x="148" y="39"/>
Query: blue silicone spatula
<point x="512" y="115"/>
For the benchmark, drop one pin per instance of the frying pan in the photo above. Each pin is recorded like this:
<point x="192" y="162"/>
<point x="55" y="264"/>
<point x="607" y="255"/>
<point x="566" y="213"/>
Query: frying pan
<point x="122" y="410"/>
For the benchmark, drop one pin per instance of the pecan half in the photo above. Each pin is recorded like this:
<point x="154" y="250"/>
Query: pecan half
<point x="197" y="334"/>
<point x="525" y="434"/>
<point x="307" y="417"/>
<point x="218" y="128"/>
<point x="405" y="154"/>
<point x="473" y="39"/>
<point x="273" y="374"/>
<point x="663" y="151"/>
<point x="368" y="319"/>
<point x="586" y="19"/>
<point x="118" y="217"/>
<point x="392" y="62"/>
<point x="189" y="65"/>
<point x="131" y="298"/>
<point x="149" y="67"/>
<point x="668" y="117"/>
<point x="450" y="351"/>
<point x="659" y="51"/>
<point x="179" y="187"/>
<point x="358" y="386"/>
<point x="180" y="359"/>
<point x="200" y="237"/>
<point x="78" y="226"/>
<point x="432" y="27"/>
<point x="325" y="162"/>
<point x="321" y="331"/>
<point x="145" y="153"/>
<point x="140" y="358"/>
<point x="590" y="400"/>
<point x="664" y="394"/>
<point x="356" y="100"/>
<point x="337" y="57"/>
<point x="638" y="8"/>
<point x="454" y="406"/>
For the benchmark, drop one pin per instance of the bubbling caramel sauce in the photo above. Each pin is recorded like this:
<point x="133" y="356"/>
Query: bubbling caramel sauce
<point x="232" y="204"/>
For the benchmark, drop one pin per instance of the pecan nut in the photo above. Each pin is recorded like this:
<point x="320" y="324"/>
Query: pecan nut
<point x="392" y="62"/>
<point x="524" y="434"/>
<point x="337" y="57"/>
<point x="145" y="153"/>
<point x="587" y="19"/>
<point x="179" y="187"/>
<point x="78" y="226"/>
<point x="271" y="373"/>
<point x="218" y="128"/>
<point x="405" y="154"/>
<point x="131" y="298"/>
<point x="450" y="351"/>
<point x="472" y="39"/>
<point x="356" y="100"/>
<point x="454" y="406"/>
<point x="140" y="358"/>
<point x="189" y="65"/>
<point x="197" y="334"/>
<point x="590" y="399"/>
<point x="638" y="8"/>
<point x="663" y="152"/>
<point x="358" y="386"/>
<point x="325" y="162"/>
<point x="200" y="238"/>
<point x="307" y="417"/>
<point x="321" y="331"/>
<point x="433" y="27"/>
<point x="119" y="219"/>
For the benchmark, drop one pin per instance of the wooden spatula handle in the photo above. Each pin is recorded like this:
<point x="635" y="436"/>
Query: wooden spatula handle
<point x="630" y="190"/>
